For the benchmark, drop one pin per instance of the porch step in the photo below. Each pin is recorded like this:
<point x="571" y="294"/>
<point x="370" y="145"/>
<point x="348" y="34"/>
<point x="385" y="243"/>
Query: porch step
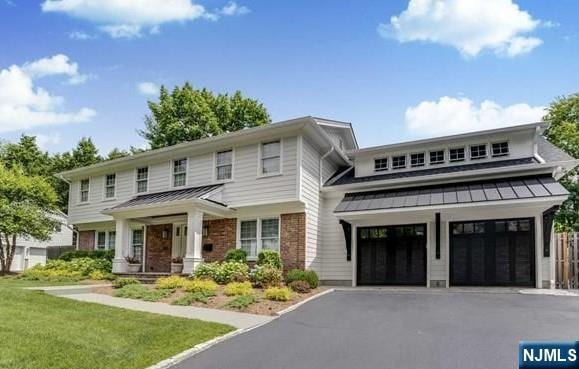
<point x="147" y="278"/>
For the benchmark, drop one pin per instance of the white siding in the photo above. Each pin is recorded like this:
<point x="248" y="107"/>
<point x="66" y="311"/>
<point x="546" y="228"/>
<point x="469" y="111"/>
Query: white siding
<point x="20" y="263"/>
<point x="335" y="266"/>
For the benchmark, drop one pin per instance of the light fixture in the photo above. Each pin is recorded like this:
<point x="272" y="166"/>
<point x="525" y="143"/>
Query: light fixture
<point x="165" y="233"/>
<point x="205" y="231"/>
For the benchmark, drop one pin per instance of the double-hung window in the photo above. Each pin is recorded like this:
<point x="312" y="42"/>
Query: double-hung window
<point x="84" y="189"/>
<point x="224" y="165"/>
<point x="259" y="234"/>
<point x="399" y="162"/>
<point x="456" y="154"/>
<point x="110" y="184"/>
<point x="500" y="149"/>
<point x="179" y="172"/>
<point x="417" y="160"/>
<point x="271" y="158"/>
<point x="142" y="179"/>
<point x="380" y="164"/>
<point x="478" y="151"/>
<point x="437" y="157"/>
<point x="137" y="240"/>
<point x="105" y="240"/>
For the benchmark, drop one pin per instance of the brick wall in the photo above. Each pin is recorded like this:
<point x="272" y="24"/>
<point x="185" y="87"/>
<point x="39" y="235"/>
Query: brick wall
<point x="221" y="233"/>
<point x="293" y="240"/>
<point x="158" y="250"/>
<point x="86" y="240"/>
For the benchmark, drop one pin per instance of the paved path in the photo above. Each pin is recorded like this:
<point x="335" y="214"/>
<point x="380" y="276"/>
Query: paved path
<point x="398" y="330"/>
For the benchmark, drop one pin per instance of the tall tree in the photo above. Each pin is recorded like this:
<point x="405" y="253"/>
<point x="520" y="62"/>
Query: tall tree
<point x="26" y="205"/>
<point x="27" y="155"/>
<point x="188" y="114"/>
<point x="563" y="131"/>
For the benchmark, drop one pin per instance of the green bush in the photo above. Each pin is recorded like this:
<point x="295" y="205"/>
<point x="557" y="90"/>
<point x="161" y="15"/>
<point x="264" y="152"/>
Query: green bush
<point x="223" y="273"/>
<point x="267" y="276"/>
<point x="269" y="257"/>
<point x="241" y="302"/>
<point x="278" y="294"/>
<point x="141" y="292"/>
<point x="205" y="286"/>
<point x="170" y="283"/>
<point x="93" y="254"/>
<point x="300" y="286"/>
<point x="238" y="288"/>
<point x="302" y="275"/>
<point x="122" y="282"/>
<point x="238" y="255"/>
<point x="60" y="270"/>
<point x="191" y="297"/>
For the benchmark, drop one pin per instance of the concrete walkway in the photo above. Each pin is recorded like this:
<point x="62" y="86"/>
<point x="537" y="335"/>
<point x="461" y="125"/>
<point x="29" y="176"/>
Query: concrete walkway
<point x="232" y="318"/>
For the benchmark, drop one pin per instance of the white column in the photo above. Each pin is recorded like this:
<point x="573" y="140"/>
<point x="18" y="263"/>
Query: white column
<point x="121" y="246"/>
<point x="194" y="239"/>
<point x="539" y="250"/>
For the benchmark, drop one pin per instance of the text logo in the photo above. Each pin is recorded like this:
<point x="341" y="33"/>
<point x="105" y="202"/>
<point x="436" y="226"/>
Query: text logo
<point x="538" y="355"/>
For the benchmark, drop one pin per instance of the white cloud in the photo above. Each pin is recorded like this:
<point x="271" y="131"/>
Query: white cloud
<point x="24" y="105"/>
<point x="470" y="26"/>
<point x="148" y="88"/>
<point x="80" y="35"/>
<point x="45" y="141"/>
<point x="451" y="115"/>
<point x="129" y="19"/>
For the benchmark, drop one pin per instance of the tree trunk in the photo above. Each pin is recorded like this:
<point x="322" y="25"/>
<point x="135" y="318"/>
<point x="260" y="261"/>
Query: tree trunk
<point x="2" y="257"/>
<point x="8" y="253"/>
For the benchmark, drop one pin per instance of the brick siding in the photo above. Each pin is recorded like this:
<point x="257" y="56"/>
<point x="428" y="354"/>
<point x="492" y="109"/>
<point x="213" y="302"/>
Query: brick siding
<point x="293" y="241"/>
<point x="221" y="233"/>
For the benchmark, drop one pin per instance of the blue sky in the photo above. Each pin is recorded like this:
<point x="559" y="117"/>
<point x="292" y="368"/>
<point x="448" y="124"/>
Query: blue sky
<point x="436" y="68"/>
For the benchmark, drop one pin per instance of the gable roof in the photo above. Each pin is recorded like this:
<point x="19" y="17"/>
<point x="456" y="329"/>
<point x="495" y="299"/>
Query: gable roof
<point x="550" y="152"/>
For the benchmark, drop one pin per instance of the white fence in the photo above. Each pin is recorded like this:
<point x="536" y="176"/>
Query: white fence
<point x="567" y="260"/>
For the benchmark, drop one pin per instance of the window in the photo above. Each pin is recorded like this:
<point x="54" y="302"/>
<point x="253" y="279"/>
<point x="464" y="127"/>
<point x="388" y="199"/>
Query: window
<point x="437" y="157"/>
<point x="380" y="164"/>
<point x="500" y="149"/>
<point x="142" y="179"/>
<point x="137" y="244"/>
<point x="105" y="240"/>
<point x="112" y="239"/>
<point x="259" y="234"/>
<point x="478" y="151"/>
<point x="417" y="160"/>
<point x="271" y="158"/>
<point x="399" y="162"/>
<point x="84" y="188"/>
<point x="224" y="165"/>
<point x="456" y="154"/>
<point x="110" y="182"/>
<point x="179" y="172"/>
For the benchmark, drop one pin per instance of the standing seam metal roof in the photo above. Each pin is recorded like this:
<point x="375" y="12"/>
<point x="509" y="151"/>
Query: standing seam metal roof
<point x="168" y="196"/>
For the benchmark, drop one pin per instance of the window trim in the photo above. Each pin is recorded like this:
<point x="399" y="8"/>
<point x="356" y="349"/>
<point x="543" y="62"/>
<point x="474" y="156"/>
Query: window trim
<point x="450" y="160"/>
<point x="80" y="190"/>
<point x="107" y="233"/>
<point x="105" y="186"/>
<point x="443" y="161"/>
<point x="258" y="247"/>
<point x="478" y="157"/>
<point x="405" y="156"/>
<point x="215" y="180"/>
<point x="387" y="164"/>
<point x="423" y="157"/>
<point x="260" y="173"/>
<point x="136" y="181"/>
<point x="172" y="172"/>
<point x="498" y="143"/>
<point x="143" y="245"/>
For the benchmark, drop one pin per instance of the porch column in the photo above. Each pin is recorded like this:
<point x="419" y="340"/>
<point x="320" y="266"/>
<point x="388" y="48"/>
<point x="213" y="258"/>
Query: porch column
<point x="194" y="238"/>
<point x="121" y="246"/>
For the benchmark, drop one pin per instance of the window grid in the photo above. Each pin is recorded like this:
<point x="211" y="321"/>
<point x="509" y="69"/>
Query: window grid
<point x="271" y="157"/>
<point x="456" y="154"/>
<point x="224" y="165"/>
<point x="399" y="162"/>
<point x="417" y="160"/>
<point x="142" y="179"/>
<point x="380" y="164"/>
<point x="137" y="244"/>
<point x="478" y="151"/>
<point x="248" y="237"/>
<point x="101" y="243"/>
<point x="110" y="182"/>
<point x="84" y="189"/>
<point x="179" y="172"/>
<point x="270" y="234"/>
<point x="500" y="148"/>
<point x="437" y="157"/>
<point x="259" y="234"/>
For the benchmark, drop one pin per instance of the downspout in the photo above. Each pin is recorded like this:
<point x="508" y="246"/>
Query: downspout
<point x="322" y="165"/>
<point x="536" y="146"/>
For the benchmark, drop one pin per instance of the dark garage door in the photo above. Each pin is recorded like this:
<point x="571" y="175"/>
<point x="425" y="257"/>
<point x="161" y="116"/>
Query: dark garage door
<point x="392" y="255"/>
<point x="492" y="253"/>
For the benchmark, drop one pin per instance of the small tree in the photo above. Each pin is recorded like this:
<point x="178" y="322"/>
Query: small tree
<point x="26" y="205"/>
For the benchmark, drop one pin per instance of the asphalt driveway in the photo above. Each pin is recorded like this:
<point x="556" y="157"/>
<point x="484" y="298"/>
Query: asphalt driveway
<point x="377" y="329"/>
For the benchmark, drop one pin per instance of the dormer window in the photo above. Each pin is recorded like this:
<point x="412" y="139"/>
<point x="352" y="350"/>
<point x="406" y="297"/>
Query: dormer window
<point x="500" y="149"/>
<point x="417" y="160"/>
<point x="380" y="164"/>
<point x="399" y="162"/>
<point x="436" y="157"/>
<point x="179" y="172"/>
<point x="478" y="151"/>
<point x="456" y="154"/>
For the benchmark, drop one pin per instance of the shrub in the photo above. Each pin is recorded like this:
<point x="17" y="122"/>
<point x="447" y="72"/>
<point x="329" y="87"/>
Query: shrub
<point x="238" y="255"/>
<point x="97" y="275"/>
<point x="191" y="297"/>
<point x="122" y="282"/>
<point x="302" y="275"/>
<point x="269" y="257"/>
<point x="278" y="294"/>
<point x="170" y="283"/>
<point x="267" y="276"/>
<point x="61" y="270"/>
<point x="238" y="288"/>
<point x="204" y="286"/>
<point x="141" y="292"/>
<point x="241" y="302"/>
<point x="93" y="254"/>
<point x="223" y="273"/>
<point x="300" y="286"/>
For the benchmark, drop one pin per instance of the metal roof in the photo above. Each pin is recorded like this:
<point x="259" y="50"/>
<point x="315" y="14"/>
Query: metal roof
<point x="350" y="178"/>
<point x="168" y="196"/>
<point x="550" y="152"/>
<point x="454" y="193"/>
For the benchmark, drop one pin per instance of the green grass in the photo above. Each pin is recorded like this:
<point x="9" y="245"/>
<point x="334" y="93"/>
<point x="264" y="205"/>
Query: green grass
<point x="140" y="292"/>
<point x="39" y="331"/>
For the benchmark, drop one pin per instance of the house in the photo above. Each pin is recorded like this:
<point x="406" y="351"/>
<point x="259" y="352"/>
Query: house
<point x="30" y="252"/>
<point x="469" y="209"/>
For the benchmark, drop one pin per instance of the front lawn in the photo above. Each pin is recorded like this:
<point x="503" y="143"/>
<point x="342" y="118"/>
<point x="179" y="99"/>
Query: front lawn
<point x="39" y="331"/>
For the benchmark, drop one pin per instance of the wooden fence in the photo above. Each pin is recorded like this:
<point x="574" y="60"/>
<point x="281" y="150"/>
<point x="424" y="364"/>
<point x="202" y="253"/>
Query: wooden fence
<point x="567" y="260"/>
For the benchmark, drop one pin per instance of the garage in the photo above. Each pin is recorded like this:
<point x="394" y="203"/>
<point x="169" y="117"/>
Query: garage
<point x="497" y="252"/>
<point x="392" y="255"/>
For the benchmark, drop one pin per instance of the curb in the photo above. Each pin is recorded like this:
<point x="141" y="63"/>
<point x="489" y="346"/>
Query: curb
<point x="293" y="307"/>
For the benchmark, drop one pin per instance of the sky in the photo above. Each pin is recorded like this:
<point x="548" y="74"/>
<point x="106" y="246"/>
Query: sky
<point x="398" y="70"/>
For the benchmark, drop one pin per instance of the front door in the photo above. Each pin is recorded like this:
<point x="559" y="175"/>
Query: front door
<point x="179" y="240"/>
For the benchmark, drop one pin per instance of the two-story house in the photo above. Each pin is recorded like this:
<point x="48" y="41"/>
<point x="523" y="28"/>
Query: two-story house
<point x="469" y="209"/>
